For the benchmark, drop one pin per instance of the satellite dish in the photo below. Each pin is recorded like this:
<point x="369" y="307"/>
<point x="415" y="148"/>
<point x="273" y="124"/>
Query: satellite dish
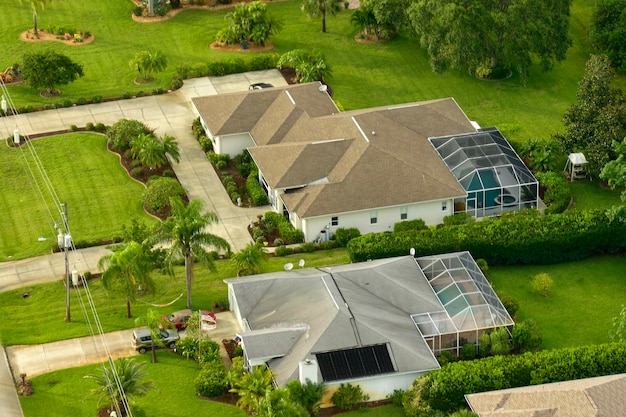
<point x="323" y="88"/>
<point x="412" y="251"/>
<point x="301" y="263"/>
<point x="288" y="267"/>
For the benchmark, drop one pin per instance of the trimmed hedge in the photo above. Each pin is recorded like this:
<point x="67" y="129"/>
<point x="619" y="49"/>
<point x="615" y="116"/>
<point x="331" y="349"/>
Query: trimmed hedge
<point x="444" y="389"/>
<point x="287" y="232"/>
<point x="558" y="194"/>
<point x="255" y="191"/>
<point x="211" y="380"/>
<point x="523" y="238"/>
<point x="227" y="66"/>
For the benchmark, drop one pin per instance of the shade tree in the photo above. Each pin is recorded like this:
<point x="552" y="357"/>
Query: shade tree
<point x="608" y="32"/>
<point x="47" y="70"/>
<point x="489" y="38"/>
<point x="249" y="23"/>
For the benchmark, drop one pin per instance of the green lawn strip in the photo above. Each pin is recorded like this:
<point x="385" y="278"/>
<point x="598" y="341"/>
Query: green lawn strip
<point x="101" y="197"/>
<point x="363" y="75"/>
<point x="590" y="195"/>
<point x="39" y="318"/>
<point x="66" y="393"/>
<point x="585" y="297"/>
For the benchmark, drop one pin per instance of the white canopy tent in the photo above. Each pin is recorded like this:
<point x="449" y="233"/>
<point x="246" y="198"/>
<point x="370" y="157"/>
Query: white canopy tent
<point x="575" y="166"/>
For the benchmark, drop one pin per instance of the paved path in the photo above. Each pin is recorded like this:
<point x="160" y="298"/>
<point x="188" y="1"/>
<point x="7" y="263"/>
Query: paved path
<point x="168" y="114"/>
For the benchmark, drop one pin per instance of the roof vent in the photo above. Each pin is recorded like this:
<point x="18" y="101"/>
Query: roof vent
<point x="323" y="87"/>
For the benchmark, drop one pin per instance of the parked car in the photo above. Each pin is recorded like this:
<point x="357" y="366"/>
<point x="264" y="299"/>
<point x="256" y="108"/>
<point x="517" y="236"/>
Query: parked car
<point x="259" y="86"/>
<point x="142" y="340"/>
<point x="180" y="318"/>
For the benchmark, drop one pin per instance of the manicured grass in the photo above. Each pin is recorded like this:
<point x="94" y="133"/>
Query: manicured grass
<point x="39" y="318"/>
<point x="66" y="393"/>
<point x="363" y="75"/>
<point x="590" y="195"/>
<point x="100" y="195"/>
<point x="585" y="297"/>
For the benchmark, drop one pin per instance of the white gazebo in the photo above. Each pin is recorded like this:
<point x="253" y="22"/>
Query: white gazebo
<point x="575" y="166"/>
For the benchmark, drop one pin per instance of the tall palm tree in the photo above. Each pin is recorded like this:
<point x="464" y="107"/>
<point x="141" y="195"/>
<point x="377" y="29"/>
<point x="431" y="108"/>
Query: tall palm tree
<point x="132" y="383"/>
<point x="315" y="8"/>
<point x="184" y="231"/>
<point x="126" y="269"/>
<point x="153" y="321"/>
<point x="36" y="6"/>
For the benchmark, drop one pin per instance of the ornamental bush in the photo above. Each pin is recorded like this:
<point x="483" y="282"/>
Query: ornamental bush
<point x="343" y="235"/>
<point x="557" y="191"/>
<point x="255" y="191"/>
<point x="211" y="380"/>
<point x="348" y="396"/>
<point x="122" y="132"/>
<point x="158" y="192"/>
<point x="542" y="284"/>
<point x="522" y="238"/>
<point x="444" y="389"/>
<point x="417" y="224"/>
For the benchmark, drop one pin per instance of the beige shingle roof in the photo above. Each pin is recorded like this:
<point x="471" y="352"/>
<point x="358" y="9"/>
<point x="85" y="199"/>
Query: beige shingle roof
<point x="592" y="397"/>
<point x="357" y="160"/>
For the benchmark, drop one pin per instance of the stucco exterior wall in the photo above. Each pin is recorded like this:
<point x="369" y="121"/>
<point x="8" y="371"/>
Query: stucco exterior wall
<point x="377" y="387"/>
<point x="233" y="144"/>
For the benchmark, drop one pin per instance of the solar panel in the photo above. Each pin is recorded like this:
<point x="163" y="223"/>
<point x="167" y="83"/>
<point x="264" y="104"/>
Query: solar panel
<point x="355" y="363"/>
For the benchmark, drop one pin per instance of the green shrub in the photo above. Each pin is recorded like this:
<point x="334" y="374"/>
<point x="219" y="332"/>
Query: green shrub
<point x="278" y="242"/>
<point x="308" y="247"/>
<point x="81" y="101"/>
<point x="100" y="127"/>
<point x="211" y="380"/>
<point x="244" y="164"/>
<point x="557" y="193"/>
<point x="137" y="11"/>
<point x="444" y="389"/>
<point x="188" y="347"/>
<point x="255" y="191"/>
<point x="208" y="351"/>
<point x="445" y="357"/>
<point x="542" y="284"/>
<point x="348" y="397"/>
<point x="417" y="224"/>
<point x="526" y="336"/>
<point x="308" y="395"/>
<point x="396" y="397"/>
<point x="258" y="233"/>
<point x="522" y="238"/>
<point x="283" y="250"/>
<point x="510" y="304"/>
<point x="90" y="127"/>
<point x="327" y="245"/>
<point x="221" y="165"/>
<point x="459" y="218"/>
<point x="468" y="351"/>
<point x="97" y="99"/>
<point x="343" y="236"/>
<point x="215" y="158"/>
<point x="123" y="131"/>
<point x="74" y="128"/>
<point x="158" y="193"/>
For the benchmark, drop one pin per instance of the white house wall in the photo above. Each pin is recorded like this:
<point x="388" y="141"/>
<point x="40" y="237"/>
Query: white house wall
<point x="233" y="145"/>
<point x="378" y="387"/>
<point x="431" y="212"/>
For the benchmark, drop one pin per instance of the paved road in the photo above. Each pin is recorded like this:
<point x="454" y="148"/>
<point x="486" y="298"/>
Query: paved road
<point x="168" y="114"/>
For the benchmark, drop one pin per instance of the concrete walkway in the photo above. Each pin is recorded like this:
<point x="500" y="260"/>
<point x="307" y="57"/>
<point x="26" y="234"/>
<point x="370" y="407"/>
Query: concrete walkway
<point x="168" y="114"/>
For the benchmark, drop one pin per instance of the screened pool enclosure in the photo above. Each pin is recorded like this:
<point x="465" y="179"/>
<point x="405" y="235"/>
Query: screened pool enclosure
<point x="493" y="175"/>
<point x="470" y="306"/>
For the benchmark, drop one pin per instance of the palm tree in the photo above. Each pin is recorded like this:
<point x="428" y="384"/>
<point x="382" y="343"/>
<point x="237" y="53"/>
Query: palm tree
<point x="120" y="382"/>
<point x="315" y="8"/>
<point x="127" y="269"/>
<point x="152" y="321"/>
<point x="146" y="62"/>
<point x="278" y="403"/>
<point x="153" y="152"/>
<point x="253" y="387"/>
<point x="184" y="230"/>
<point x="249" y="259"/>
<point x="364" y="19"/>
<point x="36" y="6"/>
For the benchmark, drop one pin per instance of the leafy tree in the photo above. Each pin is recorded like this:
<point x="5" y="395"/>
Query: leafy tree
<point x="250" y="258"/>
<point x="211" y="381"/>
<point x="126" y="270"/>
<point x="153" y="321"/>
<point x="278" y="403"/>
<point x="608" y="32"/>
<point x="615" y="171"/>
<point x="618" y="333"/>
<point x="121" y="381"/>
<point x="147" y="63"/>
<point x="317" y="8"/>
<point x="309" y="66"/>
<point x="249" y="23"/>
<point x="253" y="387"/>
<point x="121" y="133"/>
<point x="158" y="193"/>
<point x="46" y="70"/>
<point x="487" y="36"/>
<point x="36" y="6"/>
<point x="526" y="336"/>
<point x="184" y="230"/>
<point x="390" y="15"/>
<point x="597" y="118"/>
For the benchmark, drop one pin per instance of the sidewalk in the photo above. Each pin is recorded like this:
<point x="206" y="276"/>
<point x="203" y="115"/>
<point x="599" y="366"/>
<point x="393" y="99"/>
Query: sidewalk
<point x="168" y="114"/>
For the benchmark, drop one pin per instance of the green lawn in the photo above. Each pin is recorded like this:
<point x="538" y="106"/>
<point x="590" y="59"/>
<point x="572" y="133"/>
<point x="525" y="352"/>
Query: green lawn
<point x="590" y="195"/>
<point x="100" y="195"/>
<point x="66" y="393"/>
<point x="363" y="75"/>
<point x="28" y="325"/>
<point x="585" y="298"/>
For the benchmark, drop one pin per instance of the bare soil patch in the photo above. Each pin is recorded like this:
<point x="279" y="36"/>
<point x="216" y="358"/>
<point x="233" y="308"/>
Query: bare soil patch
<point x="43" y="36"/>
<point x="216" y="46"/>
